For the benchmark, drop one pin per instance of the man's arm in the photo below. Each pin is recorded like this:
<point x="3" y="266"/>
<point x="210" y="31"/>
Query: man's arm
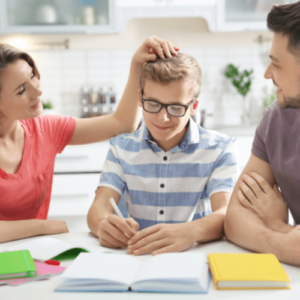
<point x="246" y="229"/>
<point x="15" y="230"/>
<point x="163" y="238"/>
<point x="108" y="227"/>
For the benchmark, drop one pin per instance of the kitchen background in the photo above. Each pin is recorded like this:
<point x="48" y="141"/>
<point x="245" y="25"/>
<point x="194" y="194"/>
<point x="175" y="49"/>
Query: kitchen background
<point x="83" y="50"/>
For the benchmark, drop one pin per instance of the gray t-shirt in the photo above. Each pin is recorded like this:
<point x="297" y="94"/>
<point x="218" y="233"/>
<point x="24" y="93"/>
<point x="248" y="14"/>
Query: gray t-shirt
<point x="277" y="142"/>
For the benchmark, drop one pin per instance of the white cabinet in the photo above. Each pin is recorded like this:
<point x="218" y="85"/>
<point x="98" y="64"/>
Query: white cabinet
<point x="76" y="177"/>
<point x="237" y="15"/>
<point x="129" y="9"/>
<point x="56" y="16"/>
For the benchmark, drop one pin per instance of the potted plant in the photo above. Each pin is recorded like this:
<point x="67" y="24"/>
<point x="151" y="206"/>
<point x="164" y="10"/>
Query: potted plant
<point x="48" y="108"/>
<point x="241" y="80"/>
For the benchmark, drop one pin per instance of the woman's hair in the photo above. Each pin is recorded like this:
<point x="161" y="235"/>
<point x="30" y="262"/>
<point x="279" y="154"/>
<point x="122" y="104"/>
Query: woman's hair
<point x="10" y="54"/>
<point x="179" y="67"/>
<point x="285" y="19"/>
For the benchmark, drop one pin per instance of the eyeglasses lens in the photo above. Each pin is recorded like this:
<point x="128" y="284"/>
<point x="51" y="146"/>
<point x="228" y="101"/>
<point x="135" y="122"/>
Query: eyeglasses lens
<point x="174" y="110"/>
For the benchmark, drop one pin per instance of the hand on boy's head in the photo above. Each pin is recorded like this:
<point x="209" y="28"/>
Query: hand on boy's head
<point x="152" y="47"/>
<point x="114" y="232"/>
<point x="162" y="238"/>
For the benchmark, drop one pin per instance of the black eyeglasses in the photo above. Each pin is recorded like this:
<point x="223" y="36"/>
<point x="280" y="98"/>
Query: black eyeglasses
<point x="174" y="110"/>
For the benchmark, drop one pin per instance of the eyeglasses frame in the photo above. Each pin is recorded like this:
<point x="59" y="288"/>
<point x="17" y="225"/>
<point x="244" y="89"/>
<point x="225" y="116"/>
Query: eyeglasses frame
<point x="166" y="106"/>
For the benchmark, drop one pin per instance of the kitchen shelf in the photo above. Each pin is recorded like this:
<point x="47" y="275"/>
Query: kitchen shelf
<point x="54" y="16"/>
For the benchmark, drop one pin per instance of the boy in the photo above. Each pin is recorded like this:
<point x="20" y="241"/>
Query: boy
<point x="177" y="176"/>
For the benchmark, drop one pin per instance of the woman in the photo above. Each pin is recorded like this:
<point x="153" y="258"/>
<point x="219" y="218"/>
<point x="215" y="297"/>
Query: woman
<point x="29" y="143"/>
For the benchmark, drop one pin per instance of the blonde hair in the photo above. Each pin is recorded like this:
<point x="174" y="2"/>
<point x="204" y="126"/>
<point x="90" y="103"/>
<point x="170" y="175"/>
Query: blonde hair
<point x="179" y="67"/>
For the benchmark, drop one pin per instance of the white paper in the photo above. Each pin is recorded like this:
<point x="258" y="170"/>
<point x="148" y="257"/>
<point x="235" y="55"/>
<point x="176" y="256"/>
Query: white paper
<point x="172" y="266"/>
<point x="103" y="266"/>
<point x="46" y="248"/>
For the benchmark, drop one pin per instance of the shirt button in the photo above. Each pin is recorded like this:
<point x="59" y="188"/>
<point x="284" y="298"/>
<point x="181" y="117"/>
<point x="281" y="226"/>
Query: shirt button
<point x="165" y="158"/>
<point x="162" y="185"/>
<point x="161" y="212"/>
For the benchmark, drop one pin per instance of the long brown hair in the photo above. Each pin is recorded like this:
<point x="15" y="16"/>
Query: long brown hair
<point x="10" y="54"/>
<point x="285" y="19"/>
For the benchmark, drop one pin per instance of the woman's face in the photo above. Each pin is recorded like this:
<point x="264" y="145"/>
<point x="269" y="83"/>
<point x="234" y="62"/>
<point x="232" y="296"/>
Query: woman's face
<point x="20" y="94"/>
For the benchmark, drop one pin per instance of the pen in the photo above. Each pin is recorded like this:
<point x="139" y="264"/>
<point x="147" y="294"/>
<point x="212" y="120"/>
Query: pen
<point x="118" y="212"/>
<point x="116" y="208"/>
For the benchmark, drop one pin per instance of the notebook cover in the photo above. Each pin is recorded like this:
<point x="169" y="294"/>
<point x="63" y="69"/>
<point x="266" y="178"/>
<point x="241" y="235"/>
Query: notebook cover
<point x="246" y="267"/>
<point x="44" y="271"/>
<point x="14" y="264"/>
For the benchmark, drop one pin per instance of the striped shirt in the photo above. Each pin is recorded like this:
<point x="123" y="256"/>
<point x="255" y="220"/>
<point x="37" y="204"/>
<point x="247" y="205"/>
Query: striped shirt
<point x="173" y="186"/>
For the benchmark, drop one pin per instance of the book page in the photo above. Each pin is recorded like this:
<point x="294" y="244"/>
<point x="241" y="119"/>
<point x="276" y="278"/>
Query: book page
<point x="172" y="266"/>
<point x="46" y="247"/>
<point x="105" y="266"/>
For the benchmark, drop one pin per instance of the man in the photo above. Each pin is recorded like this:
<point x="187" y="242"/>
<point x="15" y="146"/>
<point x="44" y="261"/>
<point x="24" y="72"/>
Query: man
<point x="176" y="175"/>
<point x="257" y="216"/>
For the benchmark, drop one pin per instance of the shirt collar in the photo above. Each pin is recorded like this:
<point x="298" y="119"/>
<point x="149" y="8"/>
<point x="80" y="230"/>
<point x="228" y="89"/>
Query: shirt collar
<point x="191" y="136"/>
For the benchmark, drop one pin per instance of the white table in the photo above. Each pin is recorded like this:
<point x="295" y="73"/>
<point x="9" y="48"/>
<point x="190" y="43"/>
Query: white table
<point x="44" y="290"/>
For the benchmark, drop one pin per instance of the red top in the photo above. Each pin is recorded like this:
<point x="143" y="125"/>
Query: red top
<point x="26" y="194"/>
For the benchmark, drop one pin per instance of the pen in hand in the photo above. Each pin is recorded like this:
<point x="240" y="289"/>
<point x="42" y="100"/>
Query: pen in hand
<point x="118" y="212"/>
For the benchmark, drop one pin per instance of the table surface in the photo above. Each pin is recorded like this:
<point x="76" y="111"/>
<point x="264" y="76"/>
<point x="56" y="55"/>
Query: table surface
<point x="45" y="289"/>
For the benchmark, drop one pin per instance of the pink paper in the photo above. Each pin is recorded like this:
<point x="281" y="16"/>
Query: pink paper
<point x="44" y="271"/>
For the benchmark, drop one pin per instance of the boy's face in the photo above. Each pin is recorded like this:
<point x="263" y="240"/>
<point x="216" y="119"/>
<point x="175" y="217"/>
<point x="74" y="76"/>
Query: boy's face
<point x="284" y="70"/>
<point x="166" y="130"/>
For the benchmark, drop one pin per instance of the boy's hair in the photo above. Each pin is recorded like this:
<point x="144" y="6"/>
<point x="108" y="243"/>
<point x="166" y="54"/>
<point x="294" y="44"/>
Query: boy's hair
<point x="176" y="68"/>
<point x="285" y="19"/>
<point x="10" y="54"/>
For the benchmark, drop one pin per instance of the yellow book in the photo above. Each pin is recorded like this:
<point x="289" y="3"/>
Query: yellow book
<point x="247" y="271"/>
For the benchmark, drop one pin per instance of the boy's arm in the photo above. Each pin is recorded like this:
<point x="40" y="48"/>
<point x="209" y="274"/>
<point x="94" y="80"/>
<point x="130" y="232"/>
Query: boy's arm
<point x="126" y="117"/>
<point x="21" y="229"/>
<point x="163" y="238"/>
<point x="105" y="224"/>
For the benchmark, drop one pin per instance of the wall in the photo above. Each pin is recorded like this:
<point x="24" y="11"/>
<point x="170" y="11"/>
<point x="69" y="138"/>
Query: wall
<point x="96" y="60"/>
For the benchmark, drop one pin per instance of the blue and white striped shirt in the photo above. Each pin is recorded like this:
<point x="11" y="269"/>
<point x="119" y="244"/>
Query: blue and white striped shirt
<point x="173" y="186"/>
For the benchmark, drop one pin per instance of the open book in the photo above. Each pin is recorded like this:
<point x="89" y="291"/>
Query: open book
<point x="171" y="272"/>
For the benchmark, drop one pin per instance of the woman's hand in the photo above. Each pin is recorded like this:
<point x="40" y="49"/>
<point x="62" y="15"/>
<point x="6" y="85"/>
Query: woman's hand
<point x="152" y="47"/>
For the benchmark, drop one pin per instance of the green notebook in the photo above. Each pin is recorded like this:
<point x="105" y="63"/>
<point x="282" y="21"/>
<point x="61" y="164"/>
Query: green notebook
<point x="15" y="264"/>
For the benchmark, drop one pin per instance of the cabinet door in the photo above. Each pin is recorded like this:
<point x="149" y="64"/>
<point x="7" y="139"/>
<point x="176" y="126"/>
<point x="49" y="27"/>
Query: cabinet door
<point x="73" y="194"/>
<point x="82" y="158"/>
<point x="56" y="16"/>
<point x="237" y="15"/>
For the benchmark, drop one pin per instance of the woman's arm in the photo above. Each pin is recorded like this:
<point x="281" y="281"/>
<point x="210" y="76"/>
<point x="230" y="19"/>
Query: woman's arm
<point x="126" y="117"/>
<point x="15" y="230"/>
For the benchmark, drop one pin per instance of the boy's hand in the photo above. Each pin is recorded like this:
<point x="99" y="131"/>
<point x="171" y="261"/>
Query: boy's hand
<point x="114" y="232"/>
<point x="162" y="238"/>
<point x="152" y="46"/>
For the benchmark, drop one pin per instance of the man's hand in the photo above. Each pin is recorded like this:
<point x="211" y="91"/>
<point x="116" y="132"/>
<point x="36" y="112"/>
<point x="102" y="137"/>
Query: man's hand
<point x="257" y="195"/>
<point x="163" y="238"/>
<point x="152" y="47"/>
<point x="114" y="232"/>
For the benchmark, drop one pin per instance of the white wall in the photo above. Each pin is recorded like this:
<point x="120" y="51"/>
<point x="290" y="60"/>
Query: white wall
<point x="96" y="60"/>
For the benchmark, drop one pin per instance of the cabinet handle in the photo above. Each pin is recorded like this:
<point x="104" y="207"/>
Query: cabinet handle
<point x="72" y="157"/>
<point x="69" y="195"/>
